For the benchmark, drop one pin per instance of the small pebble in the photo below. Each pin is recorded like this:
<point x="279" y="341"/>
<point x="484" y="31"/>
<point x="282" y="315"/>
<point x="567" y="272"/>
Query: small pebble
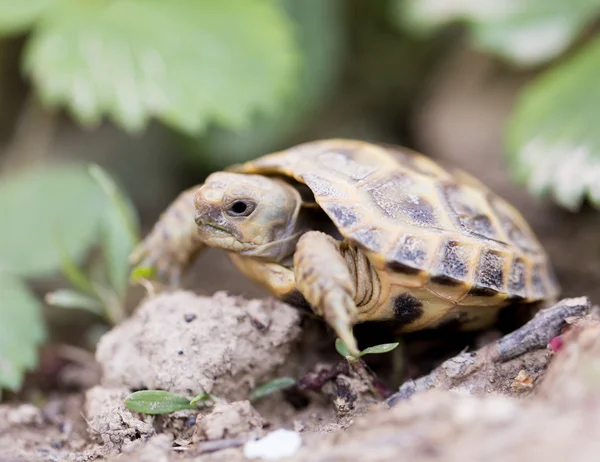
<point x="189" y="317"/>
<point x="276" y="445"/>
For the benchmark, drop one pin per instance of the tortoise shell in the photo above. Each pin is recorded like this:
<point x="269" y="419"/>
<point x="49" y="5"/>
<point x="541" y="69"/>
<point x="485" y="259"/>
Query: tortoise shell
<point x="435" y="236"/>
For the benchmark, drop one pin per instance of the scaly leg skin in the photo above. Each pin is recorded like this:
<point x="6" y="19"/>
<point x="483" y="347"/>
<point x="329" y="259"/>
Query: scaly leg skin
<point x="173" y="242"/>
<point x="324" y="279"/>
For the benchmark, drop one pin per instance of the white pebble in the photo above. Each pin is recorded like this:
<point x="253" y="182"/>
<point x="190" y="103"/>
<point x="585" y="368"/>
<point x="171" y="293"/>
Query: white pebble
<point x="277" y="444"/>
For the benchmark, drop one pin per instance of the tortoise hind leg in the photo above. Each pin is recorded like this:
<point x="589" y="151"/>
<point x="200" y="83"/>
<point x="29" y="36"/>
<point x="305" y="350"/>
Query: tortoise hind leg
<point x="173" y="241"/>
<point x="324" y="279"/>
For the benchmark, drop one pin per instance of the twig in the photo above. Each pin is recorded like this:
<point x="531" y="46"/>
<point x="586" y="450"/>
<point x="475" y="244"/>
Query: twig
<point x="465" y="367"/>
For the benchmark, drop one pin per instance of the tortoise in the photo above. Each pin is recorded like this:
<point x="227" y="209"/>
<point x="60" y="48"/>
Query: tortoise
<point x="359" y="232"/>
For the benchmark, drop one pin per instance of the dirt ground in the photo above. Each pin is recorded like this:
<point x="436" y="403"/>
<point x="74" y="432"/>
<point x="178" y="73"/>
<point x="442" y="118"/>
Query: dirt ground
<point x="534" y="392"/>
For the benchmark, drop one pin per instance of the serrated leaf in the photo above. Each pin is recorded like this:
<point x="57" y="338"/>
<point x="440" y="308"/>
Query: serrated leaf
<point x="38" y="204"/>
<point x="185" y="61"/>
<point x="552" y="139"/>
<point x="22" y="330"/>
<point x="524" y="32"/>
<point x="320" y="33"/>
<point x="157" y="402"/>
<point x="271" y="387"/>
<point x="65" y="298"/>
<point x="120" y="230"/>
<point x="17" y="16"/>
<point x="378" y="349"/>
<point x="341" y="348"/>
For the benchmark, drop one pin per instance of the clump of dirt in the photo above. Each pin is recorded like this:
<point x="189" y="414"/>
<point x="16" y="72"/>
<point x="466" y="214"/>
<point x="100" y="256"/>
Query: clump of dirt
<point x="110" y="422"/>
<point x="228" y="420"/>
<point x="189" y="344"/>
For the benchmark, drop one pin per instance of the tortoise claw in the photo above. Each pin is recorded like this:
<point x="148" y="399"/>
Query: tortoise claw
<point x="340" y="313"/>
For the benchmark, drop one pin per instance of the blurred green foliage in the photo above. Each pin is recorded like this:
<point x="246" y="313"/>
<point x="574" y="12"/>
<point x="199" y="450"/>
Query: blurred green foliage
<point x="320" y="37"/>
<point x="53" y="217"/>
<point x="552" y="142"/>
<point x="185" y="62"/>
<point x="22" y="330"/>
<point x="103" y="290"/>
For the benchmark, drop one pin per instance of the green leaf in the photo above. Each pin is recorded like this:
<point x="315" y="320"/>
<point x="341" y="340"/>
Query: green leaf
<point x="524" y="32"/>
<point x="271" y="387"/>
<point x="341" y="348"/>
<point x="22" y="330"/>
<point x="17" y="16"/>
<point x="157" y="402"/>
<point x="71" y="271"/>
<point x="320" y="32"/>
<point x="184" y="61"/>
<point x="142" y="272"/>
<point x="65" y="298"/>
<point x="553" y="139"/>
<point x="378" y="349"/>
<point x="120" y="230"/>
<point x="202" y="397"/>
<point x="38" y="204"/>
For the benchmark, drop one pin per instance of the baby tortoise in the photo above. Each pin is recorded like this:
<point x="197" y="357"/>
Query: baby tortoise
<point x="359" y="232"/>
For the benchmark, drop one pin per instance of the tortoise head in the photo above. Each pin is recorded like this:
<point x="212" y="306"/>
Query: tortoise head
<point x="250" y="214"/>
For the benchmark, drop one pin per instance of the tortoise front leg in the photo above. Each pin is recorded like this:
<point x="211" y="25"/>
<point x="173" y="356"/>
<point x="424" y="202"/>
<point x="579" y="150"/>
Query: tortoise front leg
<point x="173" y="241"/>
<point x="324" y="279"/>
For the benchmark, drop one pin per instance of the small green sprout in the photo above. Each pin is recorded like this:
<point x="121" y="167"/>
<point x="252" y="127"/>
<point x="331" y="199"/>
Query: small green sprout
<point x="163" y="402"/>
<point x="142" y="272"/>
<point x="376" y="349"/>
<point x="271" y="387"/>
<point x="103" y="290"/>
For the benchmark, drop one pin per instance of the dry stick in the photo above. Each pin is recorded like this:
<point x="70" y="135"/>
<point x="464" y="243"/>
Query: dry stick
<point x="535" y="334"/>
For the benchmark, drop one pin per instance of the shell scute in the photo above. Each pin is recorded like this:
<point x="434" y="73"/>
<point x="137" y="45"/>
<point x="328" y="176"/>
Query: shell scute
<point x="454" y="263"/>
<point x="346" y="216"/>
<point x="396" y="195"/>
<point x="517" y="279"/>
<point x="410" y="254"/>
<point x="470" y="209"/>
<point x="490" y="274"/>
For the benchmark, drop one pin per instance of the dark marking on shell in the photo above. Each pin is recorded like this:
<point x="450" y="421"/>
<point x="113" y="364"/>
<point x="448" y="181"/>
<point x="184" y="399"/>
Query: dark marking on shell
<point x="477" y="291"/>
<point x="394" y="198"/>
<point x="451" y="268"/>
<point x="443" y="280"/>
<point x="517" y="287"/>
<point x="489" y="276"/>
<point x="344" y="215"/>
<point x="537" y="282"/>
<point x="407" y="309"/>
<point x="408" y="255"/>
<point x="398" y="267"/>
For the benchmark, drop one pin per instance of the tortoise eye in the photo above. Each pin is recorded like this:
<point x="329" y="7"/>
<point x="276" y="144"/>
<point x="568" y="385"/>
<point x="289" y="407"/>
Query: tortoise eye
<point x="241" y="208"/>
